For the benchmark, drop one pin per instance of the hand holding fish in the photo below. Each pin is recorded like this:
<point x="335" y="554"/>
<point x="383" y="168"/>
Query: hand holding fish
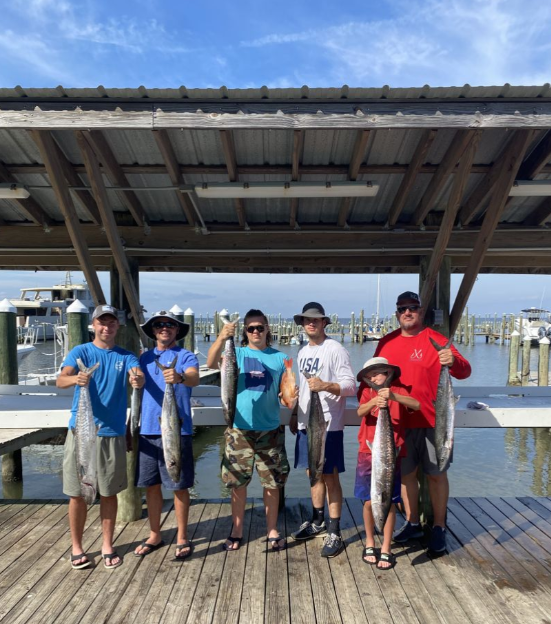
<point x="172" y="376"/>
<point x="316" y="384"/>
<point x="137" y="378"/>
<point x="446" y="357"/>
<point x="227" y="331"/>
<point x="83" y="379"/>
<point x="381" y="400"/>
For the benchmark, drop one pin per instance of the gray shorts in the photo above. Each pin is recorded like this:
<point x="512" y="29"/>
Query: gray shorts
<point x="421" y="451"/>
<point x="111" y="454"/>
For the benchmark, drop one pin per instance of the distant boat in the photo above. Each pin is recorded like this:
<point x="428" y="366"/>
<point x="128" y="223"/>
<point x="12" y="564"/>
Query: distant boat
<point x="534" y="324"/>
<point x="23" y="350"/>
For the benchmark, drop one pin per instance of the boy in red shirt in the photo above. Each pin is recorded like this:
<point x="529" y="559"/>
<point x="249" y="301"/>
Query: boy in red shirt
<point x="398" y="400"/>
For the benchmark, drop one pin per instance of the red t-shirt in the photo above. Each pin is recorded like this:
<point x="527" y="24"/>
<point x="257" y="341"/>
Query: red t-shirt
<point x="420" y="366"/>
<point x="399" y="415"/>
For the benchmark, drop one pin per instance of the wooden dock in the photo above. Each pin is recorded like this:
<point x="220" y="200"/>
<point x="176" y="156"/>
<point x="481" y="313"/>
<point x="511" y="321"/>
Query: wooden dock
<point x="498" y="570"/>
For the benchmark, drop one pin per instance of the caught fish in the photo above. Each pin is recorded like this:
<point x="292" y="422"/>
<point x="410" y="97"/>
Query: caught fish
<point x="317" y="430"/>
<point x="383" y="461"/>
<point x="86" y="433"/>
<point x="171" y="426"/>
<point x="444" y="407"/>
<point x="135" y="409"/>
<point x="288" y="386"/>
<point x="229" y="373"/>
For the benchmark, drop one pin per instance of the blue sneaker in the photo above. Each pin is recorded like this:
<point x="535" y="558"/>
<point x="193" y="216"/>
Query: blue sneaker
<point x="406" y="532"/>
<point x="437" y="543"/>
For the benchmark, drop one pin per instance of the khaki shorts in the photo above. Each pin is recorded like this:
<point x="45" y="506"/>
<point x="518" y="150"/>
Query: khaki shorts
<point x="245" y="449"/>
<point x="111" y="454"/>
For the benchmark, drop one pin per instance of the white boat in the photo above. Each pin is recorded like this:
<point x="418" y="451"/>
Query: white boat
<point x="23" y="350"/>
<point x="40" y="309"/>
<point x="534" y="324"/>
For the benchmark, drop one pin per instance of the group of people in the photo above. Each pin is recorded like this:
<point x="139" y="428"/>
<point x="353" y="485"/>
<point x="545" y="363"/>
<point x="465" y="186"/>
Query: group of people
<point x="257" y="439"/>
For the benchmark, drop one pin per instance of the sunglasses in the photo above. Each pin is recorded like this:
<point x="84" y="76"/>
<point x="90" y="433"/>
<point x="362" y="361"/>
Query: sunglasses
<point x="411" y="308"/>
<point x="163" y="324"/>
<point x="252" y="328"/>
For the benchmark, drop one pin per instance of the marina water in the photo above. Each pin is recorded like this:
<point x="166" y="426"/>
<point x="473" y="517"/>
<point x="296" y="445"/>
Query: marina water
<point x="487" y="462"/>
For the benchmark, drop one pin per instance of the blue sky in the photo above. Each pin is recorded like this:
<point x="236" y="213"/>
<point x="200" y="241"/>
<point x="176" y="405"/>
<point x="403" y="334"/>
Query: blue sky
<point x="251" y="43"/>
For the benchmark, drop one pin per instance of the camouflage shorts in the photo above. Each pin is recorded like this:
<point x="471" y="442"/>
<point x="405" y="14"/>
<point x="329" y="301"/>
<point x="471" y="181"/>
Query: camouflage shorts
<point x="245" y="449"/>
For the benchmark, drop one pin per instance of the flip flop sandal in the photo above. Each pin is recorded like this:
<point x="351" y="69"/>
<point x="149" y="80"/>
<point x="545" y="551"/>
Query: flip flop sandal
<point x="388" y="557"/>
<point x="109" y="557"/>
<point x="274" y="543"/>
<point x="369" y="551"/>
<point x="80" y="566"/>
<point x="233" y="540"/>
<point x="151" y="547"/>
<point x="181" y="556"/>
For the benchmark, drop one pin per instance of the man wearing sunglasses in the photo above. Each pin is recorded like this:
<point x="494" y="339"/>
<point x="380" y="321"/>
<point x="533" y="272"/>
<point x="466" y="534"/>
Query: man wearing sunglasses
<point x="332" y="377"/>
<point x="165" y="329"/>
<point x="256" y="438"/>
<point x="409" y="347"/>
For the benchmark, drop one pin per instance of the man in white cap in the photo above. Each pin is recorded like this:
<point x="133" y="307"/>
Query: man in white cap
<point x="108" y="395"/>
<point x="409" y="347"/>
<point x="329" y="363"/>
<point x="151" y="471"/>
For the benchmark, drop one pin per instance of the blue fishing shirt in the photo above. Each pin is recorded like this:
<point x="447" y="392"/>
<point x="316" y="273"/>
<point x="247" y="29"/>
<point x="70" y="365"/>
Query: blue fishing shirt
<point x="154" y="389"/>
<point x="258" y="388"/>
<point x="108" y="386"/>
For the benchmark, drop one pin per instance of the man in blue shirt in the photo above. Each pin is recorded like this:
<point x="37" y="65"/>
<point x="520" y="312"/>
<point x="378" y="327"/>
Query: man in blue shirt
<point x="256" y="436"/>
<point x="108" y="395"/>
<point x="165" y="329"/>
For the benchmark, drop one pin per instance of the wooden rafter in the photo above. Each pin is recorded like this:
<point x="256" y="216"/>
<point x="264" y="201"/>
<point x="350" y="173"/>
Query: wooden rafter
<point x="537" y="159"/>
<point x="46" y="146"/>
<point x="510" y="166"/>
<point x="454" y="201"/>
<point x="298" y="149"/>
<point x="105" y="155"/>
<point x="228" y="147"/>
<point x="30" y="207"/>
<point x="362" y="137"/>
<point x="173" y="168"/>
<point x="108" y="220"/>
<point x="421" y="153"/>
<point x="458" y="146"/>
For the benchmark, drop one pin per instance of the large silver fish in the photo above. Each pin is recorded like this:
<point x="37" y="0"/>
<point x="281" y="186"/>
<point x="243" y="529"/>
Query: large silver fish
<point x="445" y="412"/>
<point x="383" y="461"/>
<point x="86" y="433"/>
<point x="317" y="432"/>
<point x="171" y="426"/>
<point x="135" y="408"/>
<point x="229" y="374"/>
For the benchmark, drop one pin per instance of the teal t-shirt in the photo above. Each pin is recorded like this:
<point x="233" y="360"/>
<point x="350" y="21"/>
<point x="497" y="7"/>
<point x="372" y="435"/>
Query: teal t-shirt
<point x="108" y="386"/>
<point x="258" y="388"/>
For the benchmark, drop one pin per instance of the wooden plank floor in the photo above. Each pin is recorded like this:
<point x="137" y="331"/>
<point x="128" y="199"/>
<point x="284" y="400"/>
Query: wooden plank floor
<point x="498" y="570"/>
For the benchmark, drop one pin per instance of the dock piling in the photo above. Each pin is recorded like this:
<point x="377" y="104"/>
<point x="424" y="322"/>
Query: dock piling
<point x="543" y="368"/>
<point x="513" y="359"/>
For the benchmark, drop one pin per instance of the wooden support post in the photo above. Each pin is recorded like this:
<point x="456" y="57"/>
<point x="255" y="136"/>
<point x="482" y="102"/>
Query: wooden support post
<point x="525" y="372"/>
<point x="12" y="463"/>
<point x="77" y="324"/>
<point x="361" y="328"/>
<point x="177" y="311"/>
<point x="466" y="330"/>
<point x="503" y="327"/>
<point x="130" y="500"/>
<point x="439" y="298"/>
<point x="352" y="327"/>
<point x="189" y="340"/>
<point x="543" y="368"/>
<point x="513" y="359"/>
<point x="473" y="327"/>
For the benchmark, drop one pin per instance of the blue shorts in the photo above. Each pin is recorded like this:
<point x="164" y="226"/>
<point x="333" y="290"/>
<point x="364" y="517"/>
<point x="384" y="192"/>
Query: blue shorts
<point x="362" y="485"/>
<point x="334" y="451"/>
<point x="151" y="468"/>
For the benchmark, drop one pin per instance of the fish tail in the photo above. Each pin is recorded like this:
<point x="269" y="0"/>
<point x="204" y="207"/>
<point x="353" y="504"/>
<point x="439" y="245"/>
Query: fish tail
<point x="439" y="347"/>
<point x="88" y="492"/>
<point x="289" y="364"/>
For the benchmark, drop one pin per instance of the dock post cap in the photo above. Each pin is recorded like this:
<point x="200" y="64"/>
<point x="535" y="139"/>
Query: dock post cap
<point x="77" y="307"/>
<point x="189" y="312"/>
<point x="176" y="309"/>
<point x="7" y="306"/>
<point x="515" y="333"/>
<point x="545" y="340"/>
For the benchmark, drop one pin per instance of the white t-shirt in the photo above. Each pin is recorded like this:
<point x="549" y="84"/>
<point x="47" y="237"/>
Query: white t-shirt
<point x="330" y="362"/>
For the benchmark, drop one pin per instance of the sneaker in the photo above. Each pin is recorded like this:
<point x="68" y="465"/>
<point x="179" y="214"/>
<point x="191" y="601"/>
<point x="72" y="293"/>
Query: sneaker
<point x="407" y="532"/>
<point x="437" y="541"/>
<point x="308" y="529"/>
<point x="332" y="546"/>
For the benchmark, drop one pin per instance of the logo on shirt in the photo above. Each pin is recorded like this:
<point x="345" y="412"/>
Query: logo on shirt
<point x="310" y="365"/>
<point x="417" y="354"/>
<point x="257" y="377"/>
<point x="119" y="365"/>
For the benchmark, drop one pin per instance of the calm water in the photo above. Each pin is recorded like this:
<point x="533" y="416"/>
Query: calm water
<point x="488" y="462"/>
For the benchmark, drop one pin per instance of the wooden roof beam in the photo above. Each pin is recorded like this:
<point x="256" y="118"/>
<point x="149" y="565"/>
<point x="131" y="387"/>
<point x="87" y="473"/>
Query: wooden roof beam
<point x="298" y="150"/>
<point x="537" y="159"/>
<point x="541" y="215"/>
<point x="421" y="153"/>
<point x="105" y="155"/>
<point x="174" y="171"/>
<point x="454" y="201"/>
<point x="509" y="168"/>
<point x="228" y="147"/>
<point x="48" y="152"/>
<point x="29" y="207"/>
<point x="100" y="194"/>
<point x="459" y="144"/>
<point x="358" y="153"/>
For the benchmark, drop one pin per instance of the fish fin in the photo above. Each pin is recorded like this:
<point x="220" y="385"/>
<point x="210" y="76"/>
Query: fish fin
<point x="456" y="398"/>
<point x="226" y="320"/>
<point x="160" y="421"/>
<point x="398" y="450"/>
<point x="369" y="445"/>
<point x="80" y="364"/>
<point x="439" y="347"/>
<point x="161" y="366"/>
<point x="173" y="364"/>
<point x="288" y="364"/>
